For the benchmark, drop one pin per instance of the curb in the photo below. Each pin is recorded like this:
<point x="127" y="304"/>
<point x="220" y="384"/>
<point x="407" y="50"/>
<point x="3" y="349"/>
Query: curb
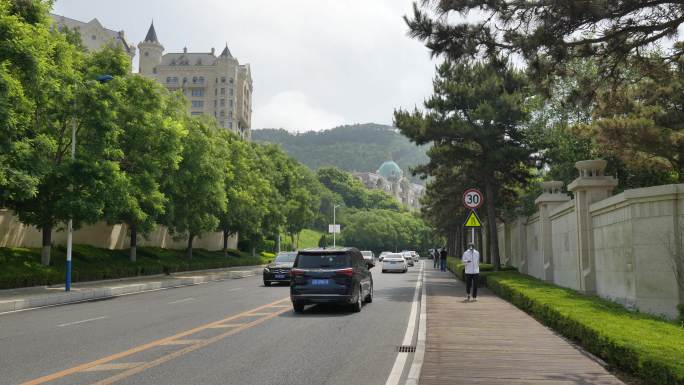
<point x="118" y="290"/>
<point x="418" y="357"/>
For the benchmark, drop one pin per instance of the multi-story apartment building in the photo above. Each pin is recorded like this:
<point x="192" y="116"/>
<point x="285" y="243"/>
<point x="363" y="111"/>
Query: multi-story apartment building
<point x="217" y="86"/>
<point x="93" y="35"/>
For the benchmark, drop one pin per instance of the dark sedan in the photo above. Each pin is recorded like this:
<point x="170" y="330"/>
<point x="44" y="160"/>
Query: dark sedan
<point x="279" y="269"/>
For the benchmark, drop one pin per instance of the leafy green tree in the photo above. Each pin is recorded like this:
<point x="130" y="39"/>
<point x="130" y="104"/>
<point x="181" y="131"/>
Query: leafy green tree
<point x="303" y="203"/>
<point x="196" y="190"/>
<point x="385" y="230"/>
<point x="549" y="34"/>
<point x="475" y="120"/>
<point x="247" y="192"/>
<point x="150" y="145"/>
<point x="45" y="188"/>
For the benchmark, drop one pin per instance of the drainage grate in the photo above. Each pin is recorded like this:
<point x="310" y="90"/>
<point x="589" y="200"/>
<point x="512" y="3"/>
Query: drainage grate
<point x="406" y="349"/>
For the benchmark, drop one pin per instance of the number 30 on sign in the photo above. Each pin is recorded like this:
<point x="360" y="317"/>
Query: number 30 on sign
<point x="472" y="198"/>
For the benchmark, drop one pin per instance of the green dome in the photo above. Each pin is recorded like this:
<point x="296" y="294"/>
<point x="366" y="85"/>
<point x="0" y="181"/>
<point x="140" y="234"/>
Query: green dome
<point x="390" y="170"/>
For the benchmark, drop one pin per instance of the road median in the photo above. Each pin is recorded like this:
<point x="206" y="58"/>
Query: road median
<point x="40" y="296"/>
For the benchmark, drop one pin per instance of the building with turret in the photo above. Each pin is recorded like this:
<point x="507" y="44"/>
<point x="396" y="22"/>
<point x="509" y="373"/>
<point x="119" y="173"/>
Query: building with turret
<point x="93" y="35"/>
<point x="390" y="178"/>
<point x="217" y="86"/>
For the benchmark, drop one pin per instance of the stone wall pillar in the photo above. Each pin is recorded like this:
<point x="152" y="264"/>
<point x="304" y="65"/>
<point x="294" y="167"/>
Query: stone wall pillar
<point x="591" y="186"/>
<point x="551" y="197"/>
<point x="521" y="234"/>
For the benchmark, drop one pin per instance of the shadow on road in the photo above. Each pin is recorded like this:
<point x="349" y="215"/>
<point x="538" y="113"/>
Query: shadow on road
<point x="322" y="311"/>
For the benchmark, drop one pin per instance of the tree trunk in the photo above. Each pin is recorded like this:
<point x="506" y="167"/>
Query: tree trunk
<point x="226" y="235"/>
<point x="491" y="222"/>
<point x="191" y="237"/>
<point x="47" y="244"/>
<point x="133" y="250"/>
<point x="253" y="251"/>
<point x="457" y="243"/>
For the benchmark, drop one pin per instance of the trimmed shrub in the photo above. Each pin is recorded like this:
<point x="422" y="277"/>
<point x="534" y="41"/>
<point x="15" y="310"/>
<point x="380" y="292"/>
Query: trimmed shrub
<point x="21" y="267"/>
<point x="648" y="347"/>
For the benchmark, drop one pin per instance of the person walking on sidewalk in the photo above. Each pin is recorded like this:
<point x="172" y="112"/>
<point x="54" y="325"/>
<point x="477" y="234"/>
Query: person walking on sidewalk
<point x="442" y="259"/>
<point x="471" y="259"/>
<point x="435" y="257"/>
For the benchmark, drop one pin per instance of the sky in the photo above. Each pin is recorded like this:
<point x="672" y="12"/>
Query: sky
<point x="316" y="64"/>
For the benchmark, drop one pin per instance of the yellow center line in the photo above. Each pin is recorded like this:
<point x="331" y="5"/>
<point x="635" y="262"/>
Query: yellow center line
<point x="140" y="348"/>
<point x="184" y="351"/>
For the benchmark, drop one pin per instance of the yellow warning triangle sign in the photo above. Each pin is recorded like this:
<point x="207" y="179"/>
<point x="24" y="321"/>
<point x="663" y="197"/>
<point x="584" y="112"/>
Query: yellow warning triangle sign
<point x="473" y="220"/>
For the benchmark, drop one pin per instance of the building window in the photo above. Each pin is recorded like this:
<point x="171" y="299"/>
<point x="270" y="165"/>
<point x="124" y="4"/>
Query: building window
<point x="223" y="102"/>
<point x="223" y="79"/>
<point x="230" y="124"/>
<point x="231" y="103"/>
<point x="147" y="53"/>
<point x="232" y="81"/>
<point x="93" y="37"/>
<point x="198" y="92"/>
<point x="154" y="70"/>
<point x="223" y="123"/>
<point x="197" y="103"/>
<point x="230" y="92"/>
<point x="196" y="113"/>
<point x="230" y="114"/>
<point x="223" y="91"/>
<point x="223" y="113"/>
<point x="215" y="103"/>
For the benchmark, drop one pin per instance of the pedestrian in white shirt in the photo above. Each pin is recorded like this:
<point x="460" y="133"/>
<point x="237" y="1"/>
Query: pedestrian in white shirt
<point x="471" y="259"/>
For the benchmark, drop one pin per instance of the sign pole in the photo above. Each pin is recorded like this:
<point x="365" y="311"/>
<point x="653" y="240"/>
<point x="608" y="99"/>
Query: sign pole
<point x="472" y="199"/>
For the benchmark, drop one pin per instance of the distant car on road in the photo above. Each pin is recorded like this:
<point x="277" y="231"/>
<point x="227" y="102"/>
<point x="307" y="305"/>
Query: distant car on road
<point x="382" y="255"/>
<point x="369" y="257"/>
<point x="409" y="257"/>
<point x="394" y="262"/>
<point x="279" y="270"/>
<point x="339" y="276"/>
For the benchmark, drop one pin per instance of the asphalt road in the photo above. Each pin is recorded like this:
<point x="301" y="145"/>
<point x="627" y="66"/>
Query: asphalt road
<point x="230" y="332"/>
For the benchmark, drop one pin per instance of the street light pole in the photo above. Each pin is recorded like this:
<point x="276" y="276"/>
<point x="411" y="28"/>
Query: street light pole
<point x="334" y="224"/>
<point x="70" y="224"/>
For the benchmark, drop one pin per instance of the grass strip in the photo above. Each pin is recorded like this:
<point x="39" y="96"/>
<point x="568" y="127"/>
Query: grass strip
<point x="21" y="267"/>
<point x="645" y="346"/>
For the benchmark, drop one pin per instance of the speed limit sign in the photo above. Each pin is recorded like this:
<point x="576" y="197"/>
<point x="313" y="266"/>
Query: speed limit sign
<point x="472" y="198"/>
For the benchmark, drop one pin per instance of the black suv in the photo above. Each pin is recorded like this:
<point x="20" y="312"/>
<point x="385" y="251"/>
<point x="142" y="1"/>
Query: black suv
<point x="338" y="275"/>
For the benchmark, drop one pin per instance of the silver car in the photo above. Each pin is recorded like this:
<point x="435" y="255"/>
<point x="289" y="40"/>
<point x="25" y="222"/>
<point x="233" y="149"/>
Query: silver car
<point x="394" y="262"/>
<point x="369" y="257"/>
<point x="409" y="257"/>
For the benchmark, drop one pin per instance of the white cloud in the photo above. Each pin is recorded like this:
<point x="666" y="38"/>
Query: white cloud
<point x="292" y="111"/>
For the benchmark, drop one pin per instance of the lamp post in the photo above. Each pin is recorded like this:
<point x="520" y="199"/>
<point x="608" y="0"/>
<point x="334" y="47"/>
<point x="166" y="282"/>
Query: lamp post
<point x="334" y="224"/>
<point x="70" y="224"/>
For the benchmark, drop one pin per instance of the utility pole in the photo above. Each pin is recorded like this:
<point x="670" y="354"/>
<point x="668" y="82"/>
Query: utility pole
<point x="70" y="224"/>
<point x="334" y="224"/>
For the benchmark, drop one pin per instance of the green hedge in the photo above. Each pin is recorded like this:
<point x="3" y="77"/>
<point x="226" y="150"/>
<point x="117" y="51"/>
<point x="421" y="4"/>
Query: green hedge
<point x="455" y="266"/>
<point x="21" y="267"/>
<point x="645" y="346"/>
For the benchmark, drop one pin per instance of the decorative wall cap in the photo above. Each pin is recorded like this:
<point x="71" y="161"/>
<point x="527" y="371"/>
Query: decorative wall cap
<point x="552" y="193"/>
<point x="552" y="187"/>
<point x="591" y="168"/>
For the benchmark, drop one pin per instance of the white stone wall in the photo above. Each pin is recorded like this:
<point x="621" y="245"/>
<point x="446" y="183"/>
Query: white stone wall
<point x="13" y="233"/>
<point x="636" y="243"/>
<point x="564" y="241"/>
<point x="535" y="264"/>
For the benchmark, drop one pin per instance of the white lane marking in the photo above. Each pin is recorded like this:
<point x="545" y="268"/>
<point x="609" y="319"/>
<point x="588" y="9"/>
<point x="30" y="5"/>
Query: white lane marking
<point x="82" y="321"/>
<point x="400" y="362"/>
<point x="418" y="357"/>
<point x="181" y="300"/>
<point x="236" y="289"/>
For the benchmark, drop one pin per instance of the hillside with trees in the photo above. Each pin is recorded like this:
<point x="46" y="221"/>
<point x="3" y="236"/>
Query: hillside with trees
<point x="359" y="147"/>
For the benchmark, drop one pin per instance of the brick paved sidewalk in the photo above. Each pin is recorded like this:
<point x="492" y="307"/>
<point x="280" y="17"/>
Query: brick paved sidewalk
<point x="493" y="342"/>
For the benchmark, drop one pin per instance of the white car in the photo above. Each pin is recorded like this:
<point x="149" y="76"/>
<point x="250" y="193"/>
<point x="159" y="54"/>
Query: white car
<point x="409" y="257"/>
<point x="394" y="262"/>
<point x="369" y="257"/>
<point x="382" y="255"/>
